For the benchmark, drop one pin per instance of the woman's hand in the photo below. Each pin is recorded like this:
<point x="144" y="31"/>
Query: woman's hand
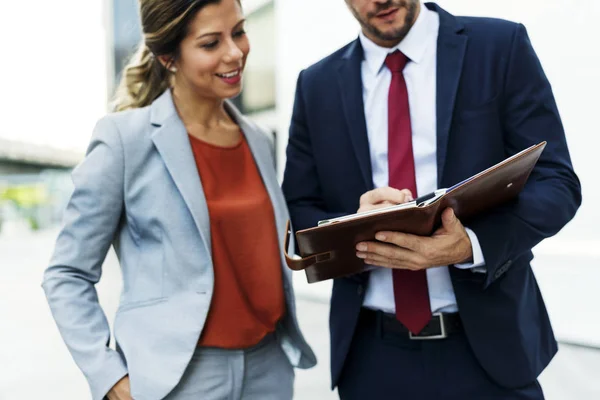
<point x="121" y="390"/>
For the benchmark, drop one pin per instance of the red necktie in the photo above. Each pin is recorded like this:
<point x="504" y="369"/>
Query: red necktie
<point x="410" y="287"/>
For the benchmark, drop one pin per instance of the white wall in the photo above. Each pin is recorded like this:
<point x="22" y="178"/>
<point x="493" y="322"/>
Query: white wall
<point x="252" y="5"/>
<point x="307" y="31"/>
<point x="53" y="71"/>
<point x="565" y="35"/>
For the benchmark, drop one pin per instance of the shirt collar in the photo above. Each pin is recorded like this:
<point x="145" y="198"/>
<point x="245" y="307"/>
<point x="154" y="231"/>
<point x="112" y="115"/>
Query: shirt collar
<point x="413" y="45"/>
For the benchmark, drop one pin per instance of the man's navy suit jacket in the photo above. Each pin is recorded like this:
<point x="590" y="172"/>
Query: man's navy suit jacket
<point x="493" y="100"/>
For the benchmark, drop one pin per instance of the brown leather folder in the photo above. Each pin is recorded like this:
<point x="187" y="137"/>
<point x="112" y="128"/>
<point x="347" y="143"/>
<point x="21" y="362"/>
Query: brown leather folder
<point x="328" y="250"/>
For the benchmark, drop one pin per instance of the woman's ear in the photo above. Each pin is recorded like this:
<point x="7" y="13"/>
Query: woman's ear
<point x="168" y="63"/>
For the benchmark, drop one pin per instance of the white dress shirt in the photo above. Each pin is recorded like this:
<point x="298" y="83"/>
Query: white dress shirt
<point x="420" y="46"/>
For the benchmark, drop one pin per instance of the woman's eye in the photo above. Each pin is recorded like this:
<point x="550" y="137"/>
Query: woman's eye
<point x="210" y="45"/>
<point x="239" y="33"/>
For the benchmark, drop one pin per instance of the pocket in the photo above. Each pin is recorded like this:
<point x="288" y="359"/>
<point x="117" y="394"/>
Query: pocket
<point x="146" y="283"/>
<point x="138" y="304"/>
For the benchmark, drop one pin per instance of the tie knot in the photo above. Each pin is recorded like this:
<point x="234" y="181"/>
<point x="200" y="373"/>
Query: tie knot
<point x="396" y="61"/>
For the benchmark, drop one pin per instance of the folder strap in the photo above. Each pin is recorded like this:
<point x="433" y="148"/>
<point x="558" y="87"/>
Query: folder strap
<point x="297" y="264"/>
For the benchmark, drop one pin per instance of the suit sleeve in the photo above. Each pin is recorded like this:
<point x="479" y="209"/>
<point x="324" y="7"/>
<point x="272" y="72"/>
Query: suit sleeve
<point x="90" y="222"/>
<point x="301" y="185"/>
<point x="552" y="194"/>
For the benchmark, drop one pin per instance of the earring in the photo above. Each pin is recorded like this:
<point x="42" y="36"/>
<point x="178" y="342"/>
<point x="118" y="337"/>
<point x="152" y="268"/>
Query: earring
<point x="173" y="69"/>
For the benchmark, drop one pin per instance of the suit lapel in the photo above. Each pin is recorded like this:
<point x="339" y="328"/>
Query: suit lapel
<point x="173" y="144"/>
<point x="350" y="81"/>
<point x="451" y="48"/>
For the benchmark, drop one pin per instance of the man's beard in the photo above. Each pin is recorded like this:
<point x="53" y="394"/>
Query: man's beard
<point x="397" y="34"/>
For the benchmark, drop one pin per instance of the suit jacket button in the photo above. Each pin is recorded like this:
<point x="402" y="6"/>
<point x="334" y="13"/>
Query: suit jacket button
<point x="360" y="290"/>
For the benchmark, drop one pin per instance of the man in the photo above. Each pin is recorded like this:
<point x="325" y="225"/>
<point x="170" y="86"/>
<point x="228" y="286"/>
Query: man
<point x="420" y="101"/>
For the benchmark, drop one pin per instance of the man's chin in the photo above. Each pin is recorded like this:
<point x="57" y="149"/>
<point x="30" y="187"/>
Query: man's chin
<point x="385" y="31"/>
<point x="388" y="36"/>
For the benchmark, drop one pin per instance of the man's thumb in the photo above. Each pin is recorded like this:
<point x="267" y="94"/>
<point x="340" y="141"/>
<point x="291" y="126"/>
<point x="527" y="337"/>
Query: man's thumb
<point x="448" y="218"/>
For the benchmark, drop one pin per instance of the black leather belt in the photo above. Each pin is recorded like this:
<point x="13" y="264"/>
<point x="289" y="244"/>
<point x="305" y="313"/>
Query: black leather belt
<point x="439" y="327"/>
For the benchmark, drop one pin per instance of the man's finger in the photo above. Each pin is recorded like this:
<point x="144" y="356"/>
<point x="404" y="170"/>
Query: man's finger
<point x="387" y="251"/>
<point x="403" y="260"/>
<point x="385" y="264"/>
<point x="369" y="207"/>
<point x="406" y="240"/>
<point x="386" y="194"/>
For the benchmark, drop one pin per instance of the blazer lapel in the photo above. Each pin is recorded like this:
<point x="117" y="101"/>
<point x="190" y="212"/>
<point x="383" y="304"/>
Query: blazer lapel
<point x="173" y="144"/>
<point x="265" y="162"/>
<point x="350" y="81"/>
<point x="264" y="158"/>
<point x="451" y="48"/>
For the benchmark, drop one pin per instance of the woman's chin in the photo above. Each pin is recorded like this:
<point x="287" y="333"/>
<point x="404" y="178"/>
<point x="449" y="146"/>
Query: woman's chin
<point x="230" y="93"/>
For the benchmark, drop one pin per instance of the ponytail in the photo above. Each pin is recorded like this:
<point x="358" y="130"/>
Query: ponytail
<point x="144" y="79"/>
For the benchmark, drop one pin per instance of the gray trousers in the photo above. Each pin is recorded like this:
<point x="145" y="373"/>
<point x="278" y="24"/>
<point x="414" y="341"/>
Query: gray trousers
<point x="262" y="372"/>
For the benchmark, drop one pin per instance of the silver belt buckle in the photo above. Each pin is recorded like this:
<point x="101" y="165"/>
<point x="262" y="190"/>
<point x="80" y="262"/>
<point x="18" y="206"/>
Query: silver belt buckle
<point x="442" y="335"/>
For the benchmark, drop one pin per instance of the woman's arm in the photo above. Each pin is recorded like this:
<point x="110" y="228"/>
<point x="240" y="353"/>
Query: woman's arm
<point x="91" y="219"/>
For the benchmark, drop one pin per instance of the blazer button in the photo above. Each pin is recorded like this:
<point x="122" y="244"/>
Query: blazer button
<point x="360" y="290"/>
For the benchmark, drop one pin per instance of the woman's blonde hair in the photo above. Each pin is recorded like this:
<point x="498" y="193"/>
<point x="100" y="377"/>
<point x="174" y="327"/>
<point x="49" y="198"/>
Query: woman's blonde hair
<point x="164" y="25"/>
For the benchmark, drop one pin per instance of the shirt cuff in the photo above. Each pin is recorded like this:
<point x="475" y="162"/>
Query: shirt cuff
<point x="478" y="264"/>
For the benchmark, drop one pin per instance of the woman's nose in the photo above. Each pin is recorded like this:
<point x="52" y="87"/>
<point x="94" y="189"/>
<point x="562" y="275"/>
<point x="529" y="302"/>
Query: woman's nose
<point x="234" y="53"/>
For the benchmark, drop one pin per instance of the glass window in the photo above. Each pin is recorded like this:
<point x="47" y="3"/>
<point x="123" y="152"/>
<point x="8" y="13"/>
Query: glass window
<point x="258" y="93"/>
<point x="126" y="34"/>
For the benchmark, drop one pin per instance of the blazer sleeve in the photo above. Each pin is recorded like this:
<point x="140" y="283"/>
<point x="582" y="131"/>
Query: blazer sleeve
<point x="300" y="184"/>
<point x="91" y="219"/>
<point x="552" y="194"/>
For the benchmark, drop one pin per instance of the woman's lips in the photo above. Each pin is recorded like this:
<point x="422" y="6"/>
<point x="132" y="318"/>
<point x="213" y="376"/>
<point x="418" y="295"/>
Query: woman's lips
<point x="231" y="78"/>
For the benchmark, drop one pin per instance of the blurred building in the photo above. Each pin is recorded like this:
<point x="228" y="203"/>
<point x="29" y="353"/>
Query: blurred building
<point x="53" y="91"/>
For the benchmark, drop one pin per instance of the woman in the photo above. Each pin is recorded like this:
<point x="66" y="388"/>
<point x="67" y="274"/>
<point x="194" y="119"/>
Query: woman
<point x="185" y="189"/>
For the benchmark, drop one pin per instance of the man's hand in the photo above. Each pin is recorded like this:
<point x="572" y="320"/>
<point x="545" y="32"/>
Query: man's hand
<point x="121" y="390"/>
<point x="383" y="197"/>
<point x="450" y="244"/>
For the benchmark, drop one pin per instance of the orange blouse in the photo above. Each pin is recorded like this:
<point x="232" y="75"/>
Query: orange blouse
<point x="248" y="298"/>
